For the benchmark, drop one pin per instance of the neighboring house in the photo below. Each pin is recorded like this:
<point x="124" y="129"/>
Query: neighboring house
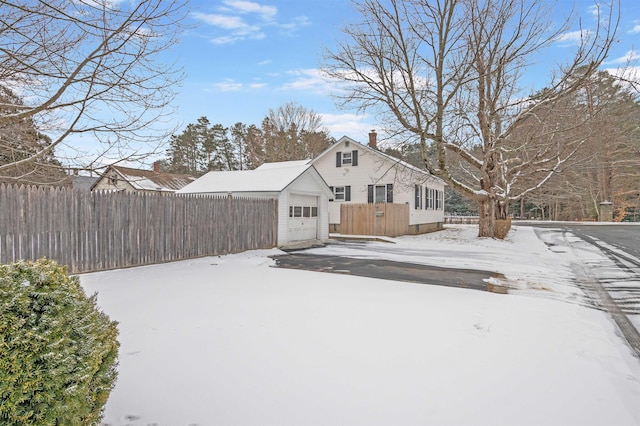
<point x="118" y="178"/>
<point x="361" y="174"/>
<point x="301" y="193"/>
<point x="83" y="183"/>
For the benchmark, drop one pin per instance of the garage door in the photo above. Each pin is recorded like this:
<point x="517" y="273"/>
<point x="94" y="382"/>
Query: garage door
<point x="303" y="217"/>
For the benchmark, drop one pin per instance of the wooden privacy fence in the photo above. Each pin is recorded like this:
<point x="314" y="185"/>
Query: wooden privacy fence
<point x="386" y="219"/>
<point x="92" y="231"/>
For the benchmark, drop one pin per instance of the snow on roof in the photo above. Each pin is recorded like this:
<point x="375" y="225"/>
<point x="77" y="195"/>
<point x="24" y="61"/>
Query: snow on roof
<point x="280" y="164"/>
<point x="273" y="177"/>
<point x="149" y="180"/>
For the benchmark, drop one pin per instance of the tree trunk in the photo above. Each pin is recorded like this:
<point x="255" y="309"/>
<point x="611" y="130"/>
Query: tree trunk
<point x="487" y="220"/>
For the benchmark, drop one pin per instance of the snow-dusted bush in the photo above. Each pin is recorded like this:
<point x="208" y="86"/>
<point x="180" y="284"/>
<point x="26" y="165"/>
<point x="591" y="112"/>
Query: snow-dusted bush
<point x="57" y="350"/>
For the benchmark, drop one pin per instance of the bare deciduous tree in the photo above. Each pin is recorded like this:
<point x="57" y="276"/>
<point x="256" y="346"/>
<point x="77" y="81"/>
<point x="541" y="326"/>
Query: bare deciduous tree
<point x="448" y="73"/>
<point x="606" y="115"/>
<point x="293" y="132"/>
<point x="89" y="67"/>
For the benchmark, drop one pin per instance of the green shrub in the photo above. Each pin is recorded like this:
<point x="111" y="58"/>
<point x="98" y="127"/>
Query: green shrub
<point x="57" y="350"/>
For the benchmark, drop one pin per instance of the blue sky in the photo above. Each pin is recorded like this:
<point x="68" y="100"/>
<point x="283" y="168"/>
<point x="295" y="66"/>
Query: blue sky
<point x="243" y="57"/>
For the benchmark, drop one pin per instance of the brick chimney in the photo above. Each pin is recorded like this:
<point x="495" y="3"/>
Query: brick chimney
<point x="373" y="139"/>
<point x="156" y="166"/>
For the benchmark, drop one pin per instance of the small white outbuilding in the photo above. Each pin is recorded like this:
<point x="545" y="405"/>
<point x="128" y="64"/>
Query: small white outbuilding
<point x="301" y="193"/>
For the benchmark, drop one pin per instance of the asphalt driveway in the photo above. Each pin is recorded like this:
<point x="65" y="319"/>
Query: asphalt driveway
<point x="389" y="270"/>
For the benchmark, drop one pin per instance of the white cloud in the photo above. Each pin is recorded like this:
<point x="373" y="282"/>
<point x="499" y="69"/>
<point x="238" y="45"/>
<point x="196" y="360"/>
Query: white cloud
<point x="629" y="74"/>
<point x="595" y="10"/>
<point x="224" y="40"/>
<point x="221" y="21"/>
<point x="247" y="20"/>
<point x="295" y="25"/>
<point x="265" y="62"/>
<point x="239" y="29"/>
<point x="630" y="56"/>
<point x="352" y="125"/>
<point x="228" y="85"/>
<point x="574" y="37"/>
<point x="635" y="29"/>
<point x="311" y="80"/>
<point x="264" y="11"/>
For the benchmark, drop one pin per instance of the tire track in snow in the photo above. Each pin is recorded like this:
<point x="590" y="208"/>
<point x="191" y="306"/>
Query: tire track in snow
<point x="606" y="302"/>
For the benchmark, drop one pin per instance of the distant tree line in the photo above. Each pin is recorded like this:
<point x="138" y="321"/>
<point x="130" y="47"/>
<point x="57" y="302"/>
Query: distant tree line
<point x="604" y="120"/>
<point x="289" y="132"/>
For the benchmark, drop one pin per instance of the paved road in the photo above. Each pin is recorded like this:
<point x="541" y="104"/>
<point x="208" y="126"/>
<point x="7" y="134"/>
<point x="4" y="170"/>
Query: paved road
<point x="626" y="237"/>
<point x="387" y="269"/>
<point x="614" y="285"/>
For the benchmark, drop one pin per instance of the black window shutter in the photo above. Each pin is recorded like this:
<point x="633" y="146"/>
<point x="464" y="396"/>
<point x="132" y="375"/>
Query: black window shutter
<point x="370" y="194"/>
<point x="416" y="190"/>
<point x="347" y="193"/>
<point x="389" y="193"/>
<point x="338" y="159"/>
<point x="354" y="158"/>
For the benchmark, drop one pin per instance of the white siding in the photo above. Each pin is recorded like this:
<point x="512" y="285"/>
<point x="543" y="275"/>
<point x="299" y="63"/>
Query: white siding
<point x="378" y="170"/>
<point x="309" y="183"/>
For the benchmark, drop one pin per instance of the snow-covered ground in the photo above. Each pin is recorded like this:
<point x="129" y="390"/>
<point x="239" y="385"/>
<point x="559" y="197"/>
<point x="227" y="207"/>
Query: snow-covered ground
<point x="232" y="340"/>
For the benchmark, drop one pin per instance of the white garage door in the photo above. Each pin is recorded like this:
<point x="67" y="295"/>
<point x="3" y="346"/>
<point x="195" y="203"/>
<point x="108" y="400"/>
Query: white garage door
<point x="303" y="217"/>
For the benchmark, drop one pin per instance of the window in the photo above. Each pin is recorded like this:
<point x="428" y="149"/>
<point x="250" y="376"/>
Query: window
<point x="439" y="200"/>
<point x="347" y="158"/>
<point x="380" y="193"/>
<point x="418" y="197"/>
<point x="430" y="201"/>
<point x="341" y="193"/>
<point x="303" y="211"/>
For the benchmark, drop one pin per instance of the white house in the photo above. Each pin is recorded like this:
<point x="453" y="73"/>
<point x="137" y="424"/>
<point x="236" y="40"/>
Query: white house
<point x="301" y="193"/>
<point x="358" y="173"/>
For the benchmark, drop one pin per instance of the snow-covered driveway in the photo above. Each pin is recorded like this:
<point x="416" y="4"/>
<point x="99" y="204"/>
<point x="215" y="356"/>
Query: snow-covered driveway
<point x="233" y="341"/>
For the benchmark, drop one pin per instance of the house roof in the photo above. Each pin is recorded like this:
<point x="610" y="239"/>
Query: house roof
<point x="149" y="180"/>
<point x="270" y="177"/>
<point x="381" y="154"/>
<point x="280" y="164"/>
<point x="83" y="183"/>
